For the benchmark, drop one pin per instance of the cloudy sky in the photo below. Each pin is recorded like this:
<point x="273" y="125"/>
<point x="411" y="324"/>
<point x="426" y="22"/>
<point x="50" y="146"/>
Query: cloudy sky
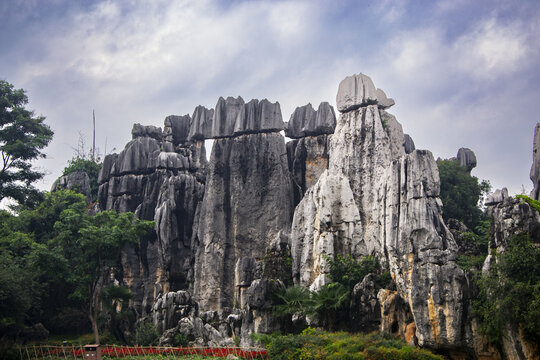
<point x="463" y="73"/>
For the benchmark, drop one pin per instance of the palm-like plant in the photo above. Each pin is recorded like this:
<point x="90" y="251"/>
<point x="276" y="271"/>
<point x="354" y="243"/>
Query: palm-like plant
<point x="329" y="300"/>
<point x="295" y="301"/>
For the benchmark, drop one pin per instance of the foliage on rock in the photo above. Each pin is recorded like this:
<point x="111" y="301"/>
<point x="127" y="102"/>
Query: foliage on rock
<point x="461" y="193"/>
<point x="510" y="293"/>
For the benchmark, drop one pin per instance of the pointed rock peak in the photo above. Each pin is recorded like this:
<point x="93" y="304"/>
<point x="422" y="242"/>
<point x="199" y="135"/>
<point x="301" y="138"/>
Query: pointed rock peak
<point x="355" y="91"/>
<point x="305" y="121"/>
<point x="466" y="158"/>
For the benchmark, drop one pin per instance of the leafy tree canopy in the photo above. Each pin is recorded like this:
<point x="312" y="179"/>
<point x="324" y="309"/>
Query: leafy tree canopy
<point x="461" y="193"/>
<point x="22" y="137"/>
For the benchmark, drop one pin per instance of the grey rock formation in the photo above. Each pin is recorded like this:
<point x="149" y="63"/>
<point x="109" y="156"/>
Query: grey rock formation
<point x="232" y="117"/>
<point x="247" y="202"/>
<point x="408" y="144"/>
<point x="355" y="91"/>
<point x="365" y="310"/>
<point x="175" y="131"/>
<point x="511" y="217"/>
<point x="201" y="124"/>
<point x="535" y="168"/>
<point x="308" y="159"/>
<point x="498" y="196"/>
<point x="77" y="181"/>
<point x="148" y="130"/>
<point x="170" y="308"/>
<point x="376" y="199"/>
<point x="307" y="122"/>
<point x="166" y="187"/>
<point x="466" y="158"/>
<point x="384" y="102"/>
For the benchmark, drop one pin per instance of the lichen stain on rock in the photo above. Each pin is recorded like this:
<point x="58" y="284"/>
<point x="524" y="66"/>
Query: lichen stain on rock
<point x="434" y="320"/>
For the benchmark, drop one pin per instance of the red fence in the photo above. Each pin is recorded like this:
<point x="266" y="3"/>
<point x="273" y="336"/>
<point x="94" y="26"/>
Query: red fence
<point x="126" y="352"/>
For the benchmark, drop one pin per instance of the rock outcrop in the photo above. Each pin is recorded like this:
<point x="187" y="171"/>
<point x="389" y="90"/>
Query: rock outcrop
<point x="307" y="122"/>
<point x="76" y="181"/>
<point x="377" y="199"/>
<point x="535" y="168"/>
<point x="466" y="158"/>
<point x="164" y="186"/>
<point x="247" y="202"/>
<point x="352" y="186"/>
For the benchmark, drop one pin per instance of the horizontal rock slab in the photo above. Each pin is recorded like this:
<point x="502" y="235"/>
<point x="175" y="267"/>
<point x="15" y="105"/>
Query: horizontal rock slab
<point x="146" y="130"/>
<point x="233" y="117"/>
<point x="307" y="122"/>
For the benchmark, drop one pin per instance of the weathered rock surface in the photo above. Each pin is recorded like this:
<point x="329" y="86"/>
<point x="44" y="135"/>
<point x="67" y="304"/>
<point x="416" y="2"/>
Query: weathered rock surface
<point x="233" y="117"/>
<point x="376" y="199"/>
<point x="201" y="124"/>
<point x="308" y="159"/>
<point x="166" y="187"/>
<point x="498" y="196"/>
<point x="358" y="90"/>
<point x="307" y="122"/>
<point x="535" y="168"/>
<point x="355" y="91"/>
<point x="511" y="217"/>
<point x="408" y="144"/>
<point x="365" y="310"/>
<point x="247" y="202"/>
<point x="466" y="158"/>
<point x="76" y="181"/>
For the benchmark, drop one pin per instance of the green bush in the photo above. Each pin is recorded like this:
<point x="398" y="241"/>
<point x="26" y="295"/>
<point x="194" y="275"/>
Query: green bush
<point x="146" y="334"/>
<point x="341" y="345"/>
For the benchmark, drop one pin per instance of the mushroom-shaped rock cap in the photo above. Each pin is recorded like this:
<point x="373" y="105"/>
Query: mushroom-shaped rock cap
<point x="358" y="90"/>
<point x="466" y="158"/>
<point x="355" y="91"/>
<point x="148" y="130"/>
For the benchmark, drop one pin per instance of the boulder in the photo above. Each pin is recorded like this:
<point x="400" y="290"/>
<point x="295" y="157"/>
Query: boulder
<point x="382" y="101"/>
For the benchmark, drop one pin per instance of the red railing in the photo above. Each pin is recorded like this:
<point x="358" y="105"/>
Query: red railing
<point x="114" y="351"/>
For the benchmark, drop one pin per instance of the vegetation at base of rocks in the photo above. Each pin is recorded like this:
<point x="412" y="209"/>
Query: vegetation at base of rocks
<point x="461" y="193"/>
<point x="330" y="304"/>
<point x="349" y="272"/>
<point x="90" y="167"/>
<point x="470" y="262"/>
<point x="22" y="137"/>
<point x="509" y="295"/>
<point x="315" y="344"/>
<point x="146" y="334"/>
<point x="56" y="258"/>
<point x="534" y="203"/>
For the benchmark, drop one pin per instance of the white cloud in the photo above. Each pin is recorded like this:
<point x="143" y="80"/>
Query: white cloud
<point x="492" y="49"/>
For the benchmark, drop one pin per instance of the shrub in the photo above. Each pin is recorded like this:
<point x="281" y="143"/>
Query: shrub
<point x="146" y="334"/>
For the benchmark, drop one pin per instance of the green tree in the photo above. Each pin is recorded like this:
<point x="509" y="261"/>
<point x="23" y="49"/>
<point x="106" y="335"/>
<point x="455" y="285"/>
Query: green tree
<point x="90" y="167"/>
<point x="22" y="137"/>
<point x="461" y="193"/>
<point x="92" y="244"/>
<point x="329" y="301"/>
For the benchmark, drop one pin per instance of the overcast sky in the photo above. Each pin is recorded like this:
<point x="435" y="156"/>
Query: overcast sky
<point x="463" y="73"/>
